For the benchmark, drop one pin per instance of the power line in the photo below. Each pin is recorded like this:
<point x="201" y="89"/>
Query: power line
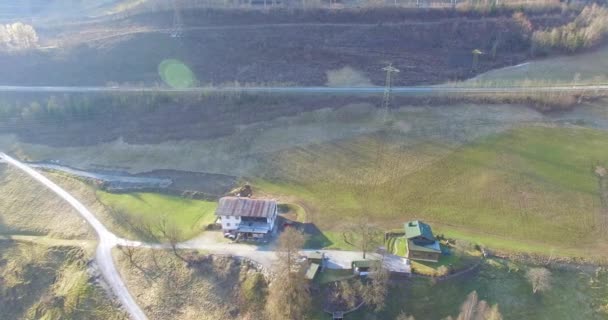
<point x="178" y="25"/>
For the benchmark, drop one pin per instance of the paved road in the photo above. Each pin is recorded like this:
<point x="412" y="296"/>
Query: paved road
<point x="404" y="91"/>
<point x="107" y="240"/>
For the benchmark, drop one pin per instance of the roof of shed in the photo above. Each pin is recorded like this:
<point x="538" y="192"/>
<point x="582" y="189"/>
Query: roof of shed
<point x="246" y="207"/>
<point x="417" y="228"/>
<point x="316" y="255"/>
<point x="312" y="271"/>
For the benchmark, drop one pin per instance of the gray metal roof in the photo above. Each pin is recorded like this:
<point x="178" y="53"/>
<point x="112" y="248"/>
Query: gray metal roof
<point x="246" y="207"/>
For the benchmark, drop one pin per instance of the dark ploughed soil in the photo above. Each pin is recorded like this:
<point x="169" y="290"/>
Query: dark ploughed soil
<point x="283" y="47"/>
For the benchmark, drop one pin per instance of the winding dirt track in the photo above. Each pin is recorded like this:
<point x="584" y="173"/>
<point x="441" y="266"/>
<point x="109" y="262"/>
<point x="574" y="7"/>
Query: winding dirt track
<point x="107" y="240"/>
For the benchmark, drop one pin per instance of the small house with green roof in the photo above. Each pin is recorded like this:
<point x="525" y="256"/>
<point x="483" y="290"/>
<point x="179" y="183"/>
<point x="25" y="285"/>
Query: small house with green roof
<point x="421" y="244"/>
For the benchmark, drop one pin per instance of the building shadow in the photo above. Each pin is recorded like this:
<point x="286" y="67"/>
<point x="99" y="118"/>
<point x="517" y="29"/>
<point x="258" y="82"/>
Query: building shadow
<point x="315" y="239"/>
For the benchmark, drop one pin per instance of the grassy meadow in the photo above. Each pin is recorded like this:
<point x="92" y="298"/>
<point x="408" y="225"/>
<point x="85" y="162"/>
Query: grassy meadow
<point x="529" y="188"/>
<point x="136" y="216"/>
<point x="589" y="67"/>
<point x="507" y="177"/>
<point x="574" y="295"/>
<point x="189" y="216"/>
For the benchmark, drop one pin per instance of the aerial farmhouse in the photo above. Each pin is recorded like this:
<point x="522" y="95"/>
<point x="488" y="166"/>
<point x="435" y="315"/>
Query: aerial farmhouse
<point x="246" y="217"/>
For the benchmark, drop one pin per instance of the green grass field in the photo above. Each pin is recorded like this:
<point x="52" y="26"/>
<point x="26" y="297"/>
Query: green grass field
<point x="574" y="295"/>
<point x="190" y="216"/>
<point x="529" y="188"/>
<point x="397" y="245"/>
<point x="581" y="68"/>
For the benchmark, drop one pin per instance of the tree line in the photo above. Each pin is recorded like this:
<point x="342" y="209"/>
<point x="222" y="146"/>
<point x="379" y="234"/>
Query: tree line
<point x="587" y="30"/>
<point x="18" y="36"/>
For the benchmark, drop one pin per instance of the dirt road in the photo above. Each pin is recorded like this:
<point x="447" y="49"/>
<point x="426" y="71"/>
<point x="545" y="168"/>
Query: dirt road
<point x="107" y="240"/>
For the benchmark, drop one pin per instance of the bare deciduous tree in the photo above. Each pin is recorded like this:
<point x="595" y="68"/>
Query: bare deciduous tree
<point x="289" y="244"/>
<point x="540" y="279"/>
<point x="18" y="36"/>
<point x="363" y="235"/>
<point x="347" y="293"/>
<point x="375" y="292"/>
<point x="174" y="236"/>
<point x="288" y="296"/>
<point x="474" y="309"/>
<point x="404" y="316"/>
<point x="129" y="252"/>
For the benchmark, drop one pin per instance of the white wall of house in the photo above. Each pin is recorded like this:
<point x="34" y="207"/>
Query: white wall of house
<point x="230" y="223"/>
<point x="270" y="220"/>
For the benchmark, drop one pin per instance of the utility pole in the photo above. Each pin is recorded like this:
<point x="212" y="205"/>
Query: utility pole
<point x="29" y="13"/>
<point x="176" y="31"/>
<point x="388" y="89"/>
<point x="476" y="53"/>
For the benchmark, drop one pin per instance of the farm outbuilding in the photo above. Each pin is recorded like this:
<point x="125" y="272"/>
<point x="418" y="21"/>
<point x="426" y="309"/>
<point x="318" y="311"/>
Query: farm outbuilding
<point x="364" y="267"/>
<point x="421" y="244"/>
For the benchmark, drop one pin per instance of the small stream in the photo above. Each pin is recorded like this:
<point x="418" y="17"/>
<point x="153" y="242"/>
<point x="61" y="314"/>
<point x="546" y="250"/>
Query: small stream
<point x="112" y="180"/>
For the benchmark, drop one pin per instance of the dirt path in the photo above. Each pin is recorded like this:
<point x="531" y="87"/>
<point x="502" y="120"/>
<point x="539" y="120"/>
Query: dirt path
<point x="107" y="240"/>
<point x="50" y="241"/>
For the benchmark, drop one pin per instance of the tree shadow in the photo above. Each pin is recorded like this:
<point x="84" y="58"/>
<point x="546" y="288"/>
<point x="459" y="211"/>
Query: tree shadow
<point x="315" y="238"/>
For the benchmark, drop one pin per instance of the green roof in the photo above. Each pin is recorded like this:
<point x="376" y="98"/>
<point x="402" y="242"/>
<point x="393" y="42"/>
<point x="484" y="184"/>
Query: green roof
<point x="364" y="263"/>
<point x="315" y="255"/>
<point x="417" y="228"/>
<point x="312" y="271"/>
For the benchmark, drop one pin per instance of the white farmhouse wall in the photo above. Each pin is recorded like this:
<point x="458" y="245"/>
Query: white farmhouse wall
<point x="270" y="220"/>
<point x="230" y="223"/>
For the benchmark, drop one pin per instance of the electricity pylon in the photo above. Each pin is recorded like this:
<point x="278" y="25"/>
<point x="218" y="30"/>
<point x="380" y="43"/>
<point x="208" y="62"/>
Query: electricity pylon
<point x="176" y="31"/>
<point x="388" y="87"/>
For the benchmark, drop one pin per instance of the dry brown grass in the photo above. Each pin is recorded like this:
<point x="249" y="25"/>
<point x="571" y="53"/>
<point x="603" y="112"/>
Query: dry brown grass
<point x="50" y="282"/>
<point x="27" y="207"/>
<point x="196" y="287"/>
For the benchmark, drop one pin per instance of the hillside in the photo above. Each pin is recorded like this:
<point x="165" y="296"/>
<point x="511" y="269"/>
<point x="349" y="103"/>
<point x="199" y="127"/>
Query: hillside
<point x="196" y="286"/>
<point x="583" y="68"/>
<point x="28" y="208"/>
<point x="530" y="189"/>
<point x="279" y="47"/>
<point x="51" y="282"/>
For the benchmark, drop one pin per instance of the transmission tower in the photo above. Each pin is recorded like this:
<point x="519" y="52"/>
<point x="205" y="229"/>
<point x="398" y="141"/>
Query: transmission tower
<point x="388" y="89"/>
<point x="177" y="30"/>
<point x="29" y="12"/>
